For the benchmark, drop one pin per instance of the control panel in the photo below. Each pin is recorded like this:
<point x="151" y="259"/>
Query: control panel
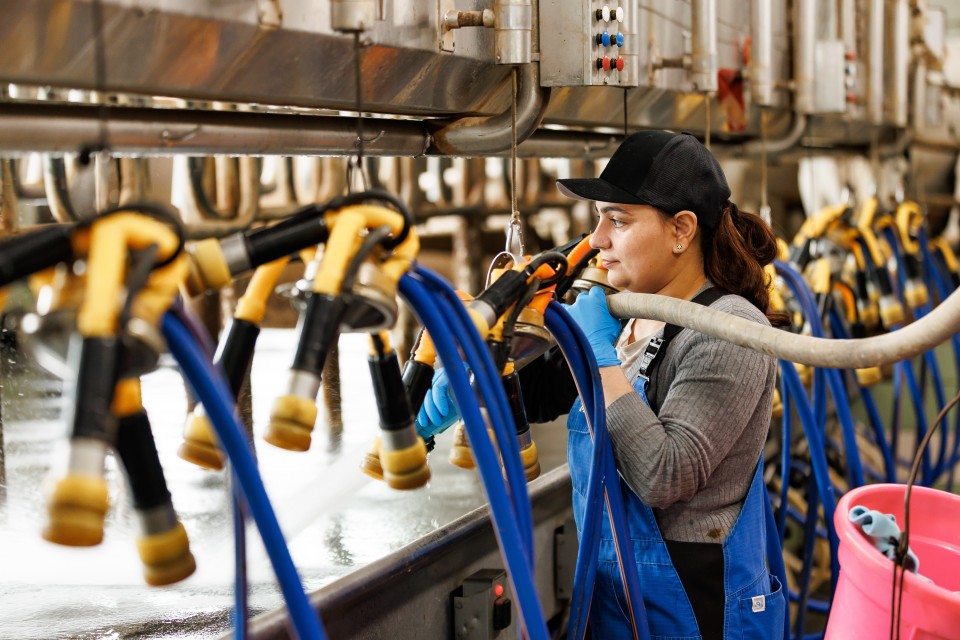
<point x="589" y="43"/>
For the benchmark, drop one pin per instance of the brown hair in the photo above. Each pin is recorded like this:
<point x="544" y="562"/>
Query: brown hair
<point x="734" y="254"/>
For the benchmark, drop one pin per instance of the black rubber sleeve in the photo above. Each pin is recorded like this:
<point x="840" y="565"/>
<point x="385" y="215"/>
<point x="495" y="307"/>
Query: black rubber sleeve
<point x="417" y="378"/>
<point x="236" y="352"/>
<point x="511" y="385"/>
<point x="138" y="454"/>
<point x="31" y="252"/>
<point x="306" y="229"/>
<point x="319" y="330"/>
<point x="96" y="380"/>
<point x="505" y="291"/>
<point x="388" y="389"/>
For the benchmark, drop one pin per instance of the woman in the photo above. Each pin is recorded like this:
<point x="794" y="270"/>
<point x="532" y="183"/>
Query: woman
<point x="687" y="413"/>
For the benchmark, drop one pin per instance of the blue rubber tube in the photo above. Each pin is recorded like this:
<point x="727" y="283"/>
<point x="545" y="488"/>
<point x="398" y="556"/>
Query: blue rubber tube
<point x="930" y="361"/>
<point x="944" y="288"/>
<point x="490" y="385"/>
<point x="212" y="390"/>
<point x="818" y="460"/>
<point x="876" y="424"/>
<point x="787" y="430"/>
<point x="501" y="508"/>
<point x="832" y="376"/>
<point x="583" y="365"/>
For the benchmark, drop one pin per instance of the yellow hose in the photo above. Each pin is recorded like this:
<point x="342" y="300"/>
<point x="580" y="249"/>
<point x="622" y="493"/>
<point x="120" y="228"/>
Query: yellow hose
<point x="109" y="240"/>
<point x="252" y="306"/>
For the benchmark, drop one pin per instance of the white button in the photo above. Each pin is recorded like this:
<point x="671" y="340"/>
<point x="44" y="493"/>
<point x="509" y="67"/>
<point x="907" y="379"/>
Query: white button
<point x="606" y="13"/>
<point x="619" y="13"/>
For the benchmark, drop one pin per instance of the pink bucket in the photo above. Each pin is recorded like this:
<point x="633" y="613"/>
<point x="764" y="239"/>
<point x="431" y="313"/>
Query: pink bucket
<point x="861" y="605"/>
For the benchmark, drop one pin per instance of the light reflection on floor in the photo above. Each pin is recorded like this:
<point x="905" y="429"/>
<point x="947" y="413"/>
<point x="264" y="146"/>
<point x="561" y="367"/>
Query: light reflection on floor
<point x="335" y="519"/>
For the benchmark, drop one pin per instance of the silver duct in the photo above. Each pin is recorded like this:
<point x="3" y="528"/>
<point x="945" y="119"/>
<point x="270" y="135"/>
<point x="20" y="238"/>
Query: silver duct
<point x="703" y="58"/>
<point x="761" y="53"/>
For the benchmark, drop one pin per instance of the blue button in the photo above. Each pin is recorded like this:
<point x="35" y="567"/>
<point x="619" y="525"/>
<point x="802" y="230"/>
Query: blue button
<point x="605" y="39"/>
<point x="619" y="39"/>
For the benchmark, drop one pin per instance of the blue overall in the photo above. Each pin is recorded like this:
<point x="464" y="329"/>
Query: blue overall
<point x="754" y="606"/>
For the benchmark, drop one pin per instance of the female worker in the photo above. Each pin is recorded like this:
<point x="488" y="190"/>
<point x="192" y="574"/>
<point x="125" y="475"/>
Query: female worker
<point x="687" y="413"/>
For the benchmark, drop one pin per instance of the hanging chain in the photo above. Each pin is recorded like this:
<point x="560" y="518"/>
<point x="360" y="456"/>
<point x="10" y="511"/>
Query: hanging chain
<point x="355" y="169"/>
<point x="515" y="230"/>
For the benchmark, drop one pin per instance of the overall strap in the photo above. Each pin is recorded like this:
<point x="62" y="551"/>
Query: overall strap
<point x="650" y="358"/>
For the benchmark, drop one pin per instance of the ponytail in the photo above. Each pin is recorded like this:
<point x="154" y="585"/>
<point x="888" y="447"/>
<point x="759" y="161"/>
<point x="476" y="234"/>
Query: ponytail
<point x="734" y="254"/>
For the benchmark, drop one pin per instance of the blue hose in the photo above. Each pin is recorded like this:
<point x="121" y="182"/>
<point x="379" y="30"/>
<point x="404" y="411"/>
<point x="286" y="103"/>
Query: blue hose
<point x="490" y="385"/>
<point x="211" y="389"/>
<point x="873" y="415"/>
<point x="584" y="368"/>
<point x="837" y="390"/>
<point x="415" y="291"/>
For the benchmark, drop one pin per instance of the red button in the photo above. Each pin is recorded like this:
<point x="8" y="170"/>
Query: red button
<point x="619" y="63"/>
<point x="606" y="63"/>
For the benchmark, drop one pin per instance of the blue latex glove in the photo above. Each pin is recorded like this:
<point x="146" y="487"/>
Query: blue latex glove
<point x="438" y="410"/>
<point x="602" y="329"/>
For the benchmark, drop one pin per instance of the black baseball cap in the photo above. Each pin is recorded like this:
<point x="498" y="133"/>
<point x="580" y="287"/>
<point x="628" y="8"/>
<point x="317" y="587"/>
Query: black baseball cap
<point x="670" y="171"/>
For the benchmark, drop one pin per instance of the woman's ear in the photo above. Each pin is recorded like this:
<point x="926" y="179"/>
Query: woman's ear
<point x="685" y="226"/>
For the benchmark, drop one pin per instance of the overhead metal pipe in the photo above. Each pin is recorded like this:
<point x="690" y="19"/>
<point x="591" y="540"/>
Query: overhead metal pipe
<point x="761" y="53"/>
<point x="875" y="64"/>
<point x="485" y="136"/>
<point x="60" y="129"/>
<point x="703" y="57"/>
<point x="900" y="60"/>
<point x="804" y="63"/>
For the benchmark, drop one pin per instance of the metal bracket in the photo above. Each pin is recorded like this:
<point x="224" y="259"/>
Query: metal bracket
<point x="481" y="607"/>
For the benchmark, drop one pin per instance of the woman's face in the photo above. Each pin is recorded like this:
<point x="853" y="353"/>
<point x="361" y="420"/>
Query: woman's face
<point x="636" y="244"/>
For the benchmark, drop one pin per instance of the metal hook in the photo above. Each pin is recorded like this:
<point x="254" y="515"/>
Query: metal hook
<point x="514" y="244"/>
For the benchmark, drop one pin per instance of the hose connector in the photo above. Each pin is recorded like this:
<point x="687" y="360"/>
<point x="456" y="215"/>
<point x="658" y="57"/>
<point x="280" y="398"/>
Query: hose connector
<point x="166" y="555"/>
<point x="295" y="414"/>
<point x="76" y="508"/>
<point x="891" y="311"/>
<point x="200" y="445"/>
<point x="403" y="454"/>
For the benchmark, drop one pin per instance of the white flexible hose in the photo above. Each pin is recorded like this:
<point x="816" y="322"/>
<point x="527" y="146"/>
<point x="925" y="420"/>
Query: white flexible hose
<point x="920" y="336"/>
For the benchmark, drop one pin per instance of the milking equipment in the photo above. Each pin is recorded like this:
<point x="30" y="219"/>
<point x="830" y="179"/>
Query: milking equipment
<point x="765" y="84"/>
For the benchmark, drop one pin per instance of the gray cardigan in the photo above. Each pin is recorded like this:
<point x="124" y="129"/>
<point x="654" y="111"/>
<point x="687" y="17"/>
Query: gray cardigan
<point x="693" y="463"/>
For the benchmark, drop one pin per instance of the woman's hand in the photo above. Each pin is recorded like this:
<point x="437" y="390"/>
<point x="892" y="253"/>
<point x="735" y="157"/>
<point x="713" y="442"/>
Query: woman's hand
<point x="602" y="329"/>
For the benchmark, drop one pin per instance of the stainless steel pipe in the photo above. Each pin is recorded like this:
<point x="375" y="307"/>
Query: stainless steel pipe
<point x="761" y="53"/>
<point x="875" y="64"/>
<point x="703" y="58"/>
<point x="804" y="63"/>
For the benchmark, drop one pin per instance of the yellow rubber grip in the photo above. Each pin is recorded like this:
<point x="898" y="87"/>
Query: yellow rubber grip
<point x="916" y="295"/>
<point x="200" y="445"/>
<point x="869" y="376"/>
<point x="460" y="453"/>
<point x="76" y="508"/>
<point x="166" y="556"/>
<point x="406" y="468"/>
<point x="291" y="423"/>
<point x="892" y="314"/>
<point x="531" y="461"/>
<point x="370" y="464"/>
